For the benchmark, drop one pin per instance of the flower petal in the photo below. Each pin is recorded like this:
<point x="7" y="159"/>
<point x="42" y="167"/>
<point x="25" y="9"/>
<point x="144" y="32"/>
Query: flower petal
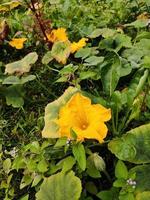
<point x="100" y="113"/>
<point x="85" y="119"/>
<point x="57" y="35"/>
<point x="17" y="42"/>
<point x="96" y="131"/>
<point x="75" y="46"/>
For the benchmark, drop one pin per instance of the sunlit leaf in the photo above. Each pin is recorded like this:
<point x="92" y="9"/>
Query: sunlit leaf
<point x="59" y="187"/>
<point x="47" y="58"/>
<point x="22" y="66"/>
<point x="139" y="23"/>
<point x="14" y="80"/>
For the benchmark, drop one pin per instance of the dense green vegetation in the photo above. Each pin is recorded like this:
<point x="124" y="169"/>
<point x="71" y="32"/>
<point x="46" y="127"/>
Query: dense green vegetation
<point x="99" y="49"/>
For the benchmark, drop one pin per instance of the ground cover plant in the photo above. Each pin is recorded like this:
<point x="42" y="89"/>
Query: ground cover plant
<point x="74" y="99"/>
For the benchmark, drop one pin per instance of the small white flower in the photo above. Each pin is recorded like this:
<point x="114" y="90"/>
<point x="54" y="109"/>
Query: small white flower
<point x="131" y="182"/>
<point x="68" y="142"/>
<point x="13" y="152"/>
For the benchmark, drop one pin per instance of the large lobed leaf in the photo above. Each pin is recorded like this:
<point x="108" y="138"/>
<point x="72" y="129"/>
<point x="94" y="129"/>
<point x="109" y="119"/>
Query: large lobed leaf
<point x="134" y="146"/>
<point x="60" y="186"/>
<point x="51" y="113"/>
<point x="22" y="66"/>
<point x="14" y="96"/>
<point x="142" y="190"/>
<point x="142" y="178"/>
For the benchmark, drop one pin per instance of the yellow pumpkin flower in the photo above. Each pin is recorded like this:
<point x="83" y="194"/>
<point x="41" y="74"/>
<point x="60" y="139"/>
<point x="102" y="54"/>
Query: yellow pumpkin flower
<point x="57" y="35"/>
<point x="85" y="119"/>
<point x="17" y="42"/>
<point x="75" y="46"/>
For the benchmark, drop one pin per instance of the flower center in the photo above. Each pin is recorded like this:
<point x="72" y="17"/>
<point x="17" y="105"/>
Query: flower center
<point x="84" y="126"/>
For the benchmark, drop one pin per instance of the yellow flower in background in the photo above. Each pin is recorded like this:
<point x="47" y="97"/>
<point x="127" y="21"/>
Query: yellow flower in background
<point x="85" y="119"/>
<point x="75" y="46"/>
<point x="17" y="42"/>
<point x="143" y="16"/>
<point x="4" y="7"/>
<point x="57" y="35"/>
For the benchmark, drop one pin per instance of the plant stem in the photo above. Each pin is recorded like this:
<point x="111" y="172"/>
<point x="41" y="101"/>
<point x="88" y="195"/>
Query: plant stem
<point x="122" y="125"/>
<point x="33" y="9"/>
<point x="117" y="117"/>
<point x="107" y="175"/>
<point x="113" y="124"/>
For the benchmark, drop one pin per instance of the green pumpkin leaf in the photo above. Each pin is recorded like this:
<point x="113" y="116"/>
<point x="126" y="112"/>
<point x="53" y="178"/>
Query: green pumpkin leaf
<point x="142" y="82"/>
<point x="79" y="154"/>
<point x="83" y="53"/>
<point x="61" y="142"/>
<point x="59" y="187"/>
<point x="22" y="66"/>
<point x="51" y="113"/>
<point x="88" y="74"/>
<point x="121" y="170"/>
<point x="28" y="78"/>
<point x="94" y="60"/>
<point x="111" y="194"/>
<point x="119" y="183"/>
<point x="14" y="96"/>
<point x="67" y="163"/>
<point x="122" y="40"/>
<point x="133" y="146"/>
<point x="91" y="188"/>
<point x="139" y="23"/>
<point x="142" y="178"/>
<point x="42" y="166"/>
<point x="26" y="180"/>
<point x="14" y="80"/>
<point x="26" y="197"/>
<point x="110" y="76"/>
<point x="126" y="196"/>
<point x="146" y="62"/>
<point x="105" y="32"/>
<point x="93" y="172"/>
<point x="36" y="180"/>
<point x="91" y="168"/>
<point x="47" y="58"/>
<point x="11" y="80"/>
<point x="7" y="165"/>
<point x="18" y="163"/>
